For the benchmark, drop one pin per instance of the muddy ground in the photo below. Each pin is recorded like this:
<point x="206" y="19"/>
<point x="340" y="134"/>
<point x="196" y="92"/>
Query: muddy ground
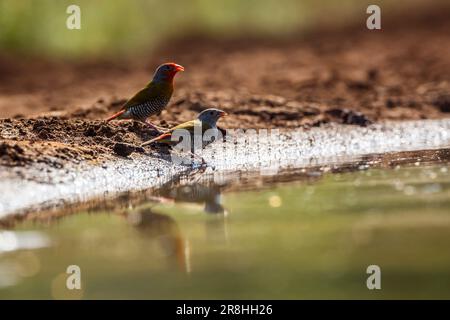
<point x="53" y="110"/>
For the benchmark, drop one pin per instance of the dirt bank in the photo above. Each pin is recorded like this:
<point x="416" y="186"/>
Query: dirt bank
<point x="350" y="76"/>
<point x="31" y="188"/>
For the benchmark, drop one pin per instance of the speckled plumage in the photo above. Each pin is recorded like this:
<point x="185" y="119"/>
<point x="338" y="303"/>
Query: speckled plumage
<point x="153" y="103"/>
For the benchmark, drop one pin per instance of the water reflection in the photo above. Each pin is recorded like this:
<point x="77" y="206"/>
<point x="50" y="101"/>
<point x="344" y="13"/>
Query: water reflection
<point x="163" y="229"/>
<point x="19" y="240"/>
<point x="25" y="263"/>
<point x="208" y="194"/>
<point x="332" y="217"/>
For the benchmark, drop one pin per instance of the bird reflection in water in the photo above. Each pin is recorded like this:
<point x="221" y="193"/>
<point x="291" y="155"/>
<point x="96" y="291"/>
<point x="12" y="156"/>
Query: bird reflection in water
<point x="165" y="231"/>
<point x="209" y="195"/>
<point x="202" y="193"/>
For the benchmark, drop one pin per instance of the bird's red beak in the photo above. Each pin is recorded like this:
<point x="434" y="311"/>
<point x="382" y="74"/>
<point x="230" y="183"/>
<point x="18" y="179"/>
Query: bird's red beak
<point x="223" y="114"/>
<point x="178" y="68"/>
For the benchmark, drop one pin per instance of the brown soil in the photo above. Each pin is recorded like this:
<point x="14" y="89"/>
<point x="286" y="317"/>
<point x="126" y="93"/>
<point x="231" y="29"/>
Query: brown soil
<point x="350" y="76"/>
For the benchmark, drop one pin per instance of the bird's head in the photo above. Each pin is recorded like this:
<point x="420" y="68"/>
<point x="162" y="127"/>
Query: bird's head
<point x="211" y="115"/>
<point x="167" y="71"/>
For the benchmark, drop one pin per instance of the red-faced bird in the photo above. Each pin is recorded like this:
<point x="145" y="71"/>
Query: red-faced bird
<point x="206" y="121"/>
<point x="152" y="99"/>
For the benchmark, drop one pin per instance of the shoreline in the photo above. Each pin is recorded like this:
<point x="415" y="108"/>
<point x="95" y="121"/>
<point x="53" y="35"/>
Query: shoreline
<point x="331" y="144"/>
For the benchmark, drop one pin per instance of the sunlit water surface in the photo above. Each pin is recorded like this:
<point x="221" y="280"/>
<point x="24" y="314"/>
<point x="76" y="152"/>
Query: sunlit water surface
<point x="311" y="237"/>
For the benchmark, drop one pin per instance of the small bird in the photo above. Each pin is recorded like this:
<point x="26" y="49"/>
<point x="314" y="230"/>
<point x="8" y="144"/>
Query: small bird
<point x="206" y="120"/>
<point x="152" y="99"/>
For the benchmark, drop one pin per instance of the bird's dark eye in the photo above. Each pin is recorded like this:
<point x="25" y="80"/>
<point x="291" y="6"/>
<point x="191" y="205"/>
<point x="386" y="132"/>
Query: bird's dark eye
<point x="211" y="113"/>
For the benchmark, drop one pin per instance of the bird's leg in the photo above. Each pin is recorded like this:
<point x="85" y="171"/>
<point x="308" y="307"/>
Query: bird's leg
<point x="203" y="165"/>
<point x="191" y="154"/>
<point x="155" y="127"/>
<point x="198" y="157"/>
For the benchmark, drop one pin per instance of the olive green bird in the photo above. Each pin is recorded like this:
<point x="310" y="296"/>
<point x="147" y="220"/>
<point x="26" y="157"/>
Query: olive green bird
<point x="206" y="120"/>
<point x="152" y="99"/>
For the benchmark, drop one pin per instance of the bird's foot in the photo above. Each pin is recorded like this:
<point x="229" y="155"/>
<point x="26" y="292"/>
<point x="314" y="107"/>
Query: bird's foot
<point x="163" y="130"/>
<point x="156" y="128"/>
<point x="196" y="156"/>
<point x="199" y="168"/>
<point x="203" y="164"/>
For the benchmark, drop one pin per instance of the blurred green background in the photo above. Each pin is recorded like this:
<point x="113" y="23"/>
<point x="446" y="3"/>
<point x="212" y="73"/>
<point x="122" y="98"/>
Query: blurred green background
<point x="129" y="26"/>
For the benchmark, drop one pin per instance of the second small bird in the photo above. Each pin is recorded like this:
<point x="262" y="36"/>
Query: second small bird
<point x="152" y="99"/>
<point x="206" y="120"/>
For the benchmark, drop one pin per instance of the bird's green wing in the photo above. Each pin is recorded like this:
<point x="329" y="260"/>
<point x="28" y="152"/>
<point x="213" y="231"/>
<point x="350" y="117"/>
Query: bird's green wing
<point x="167" y="137"/>
<point x="189" y="126"/>
<point x="151" y="91"/>
<point x="139" y="98"/>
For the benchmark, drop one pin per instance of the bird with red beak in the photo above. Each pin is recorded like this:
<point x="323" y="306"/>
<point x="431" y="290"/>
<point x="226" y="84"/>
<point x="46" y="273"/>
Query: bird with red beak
<point x="152" y="99"/>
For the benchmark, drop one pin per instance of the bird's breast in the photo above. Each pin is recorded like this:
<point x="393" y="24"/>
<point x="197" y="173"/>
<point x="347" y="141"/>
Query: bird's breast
<point x="150" y="107"/>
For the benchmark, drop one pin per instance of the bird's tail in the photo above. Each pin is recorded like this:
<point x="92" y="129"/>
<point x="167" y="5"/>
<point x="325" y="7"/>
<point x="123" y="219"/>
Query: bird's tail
<point x="116" y="115"/>
<point x="160" y="137"/>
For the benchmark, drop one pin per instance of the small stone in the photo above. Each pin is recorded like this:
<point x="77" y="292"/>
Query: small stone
<point x="43" y="134"/>
<point x="390" y="103"/>
<point x="123" y="149"/>
<point x="90" y="132"/>
<point x="442" y="102"/>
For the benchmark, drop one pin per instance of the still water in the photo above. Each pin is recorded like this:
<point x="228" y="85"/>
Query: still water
<point x="302" y="234"/>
